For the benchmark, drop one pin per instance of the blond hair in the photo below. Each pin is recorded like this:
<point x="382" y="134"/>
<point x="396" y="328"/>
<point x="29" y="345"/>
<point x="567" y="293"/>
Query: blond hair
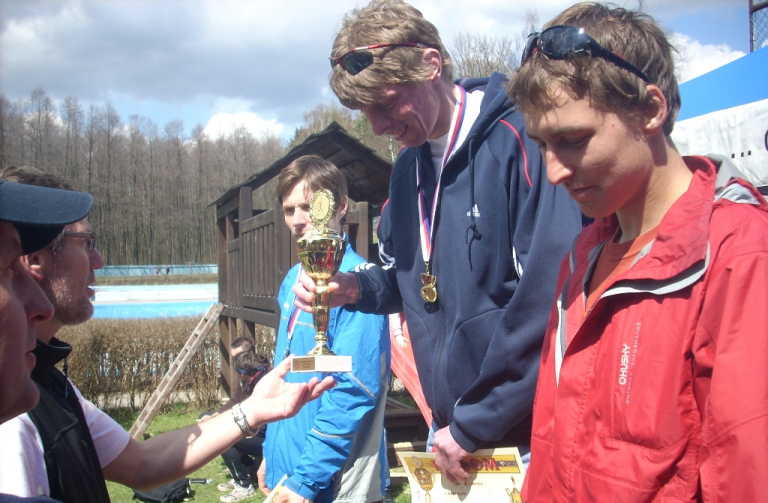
<point x="385" y="22"/>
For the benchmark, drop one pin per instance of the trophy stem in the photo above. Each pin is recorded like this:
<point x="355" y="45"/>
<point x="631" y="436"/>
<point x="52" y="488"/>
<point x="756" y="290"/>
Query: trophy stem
<point x="321" y="348"/>
<point x="321" y="318"/>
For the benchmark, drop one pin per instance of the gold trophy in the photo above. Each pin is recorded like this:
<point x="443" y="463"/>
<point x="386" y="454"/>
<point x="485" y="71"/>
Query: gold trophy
<point x="320" y="251"/>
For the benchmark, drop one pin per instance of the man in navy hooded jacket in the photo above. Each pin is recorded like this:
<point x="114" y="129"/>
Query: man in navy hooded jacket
<point x="473" y="231"/>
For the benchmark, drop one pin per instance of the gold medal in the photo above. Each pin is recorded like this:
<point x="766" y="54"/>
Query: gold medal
<point x="429" y="290"/>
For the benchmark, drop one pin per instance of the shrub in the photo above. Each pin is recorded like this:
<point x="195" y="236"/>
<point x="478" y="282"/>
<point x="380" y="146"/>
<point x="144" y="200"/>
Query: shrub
<point x="119" y="363"/>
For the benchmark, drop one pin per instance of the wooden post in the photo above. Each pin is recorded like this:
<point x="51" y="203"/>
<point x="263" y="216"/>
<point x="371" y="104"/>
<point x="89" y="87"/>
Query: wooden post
<point x="221" y="243"/>
<point x="225" y="342"/>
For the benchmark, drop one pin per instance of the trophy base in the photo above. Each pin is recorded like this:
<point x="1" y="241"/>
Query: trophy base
<point x="321" y="363"/>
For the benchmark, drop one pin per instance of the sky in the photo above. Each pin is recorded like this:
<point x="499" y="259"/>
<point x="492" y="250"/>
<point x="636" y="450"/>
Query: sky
<point x="263" y="64"/>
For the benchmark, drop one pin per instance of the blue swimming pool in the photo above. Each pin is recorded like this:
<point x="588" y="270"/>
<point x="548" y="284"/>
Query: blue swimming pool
<point x="151" y="309"/>
<point x="154" y="301"/>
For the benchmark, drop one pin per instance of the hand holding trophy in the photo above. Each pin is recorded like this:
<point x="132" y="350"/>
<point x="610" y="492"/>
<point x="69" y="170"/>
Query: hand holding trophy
<point x="320" y="251"/>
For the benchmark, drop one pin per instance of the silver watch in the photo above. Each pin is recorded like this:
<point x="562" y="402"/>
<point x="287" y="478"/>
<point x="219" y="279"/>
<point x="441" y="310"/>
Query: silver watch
<point x="239" y="417"/>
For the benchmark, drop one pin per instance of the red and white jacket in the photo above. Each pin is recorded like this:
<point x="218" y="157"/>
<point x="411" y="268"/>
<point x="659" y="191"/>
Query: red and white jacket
<point x="660" y="391"/>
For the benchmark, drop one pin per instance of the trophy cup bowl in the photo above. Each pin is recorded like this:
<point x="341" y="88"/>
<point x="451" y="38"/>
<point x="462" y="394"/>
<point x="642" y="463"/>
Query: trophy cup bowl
<point x="320" y="251"/>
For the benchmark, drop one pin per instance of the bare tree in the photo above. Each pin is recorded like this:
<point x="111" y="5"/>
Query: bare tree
<point x="5" y="109"/>
<point x="151" y="186"/>
<point x="200" y="150"/>
<point x="112" y="155"/>
<point x="477" y="55"/>
<point x="532" y="25"/>
<point x="93" y="124"/>
<point x="319" y="118"/>
<point x="40" y="124"/>
<point x="72" y="115"/>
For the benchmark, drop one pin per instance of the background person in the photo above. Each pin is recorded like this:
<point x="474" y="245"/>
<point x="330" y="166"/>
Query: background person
<point x="239" y="345"/>
<point x="652" y="383"/>
<point x="336" y="449"/>
<point x="72" y="467"/>
<point x="243" y="458"/>
<point x="472" y="229"/>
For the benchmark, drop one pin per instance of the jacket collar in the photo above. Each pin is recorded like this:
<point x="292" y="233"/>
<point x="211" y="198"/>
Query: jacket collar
<point x="683" y="231"/>
<point x="48" y="355"/>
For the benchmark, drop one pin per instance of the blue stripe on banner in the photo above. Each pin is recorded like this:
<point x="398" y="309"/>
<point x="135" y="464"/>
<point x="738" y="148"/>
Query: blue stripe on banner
<point x="737" y="83"/>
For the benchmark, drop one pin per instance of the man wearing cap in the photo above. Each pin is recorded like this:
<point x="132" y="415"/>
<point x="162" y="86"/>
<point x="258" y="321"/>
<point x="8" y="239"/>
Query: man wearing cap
<point x="66" y="447"/>
<point x="473" y="230"/>
<point x="30" y="218"/>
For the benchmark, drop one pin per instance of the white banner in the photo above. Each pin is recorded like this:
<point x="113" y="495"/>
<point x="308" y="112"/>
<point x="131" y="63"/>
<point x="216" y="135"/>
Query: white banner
<point x="739" y="133"/>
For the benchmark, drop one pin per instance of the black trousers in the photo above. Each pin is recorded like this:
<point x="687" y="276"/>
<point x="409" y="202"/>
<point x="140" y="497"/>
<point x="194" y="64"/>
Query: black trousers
<point x="243" y="457"/>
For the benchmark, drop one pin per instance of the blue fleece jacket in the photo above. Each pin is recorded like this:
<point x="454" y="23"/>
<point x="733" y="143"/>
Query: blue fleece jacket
<point x="501" y="231"/>
<point x="334" y="449"/>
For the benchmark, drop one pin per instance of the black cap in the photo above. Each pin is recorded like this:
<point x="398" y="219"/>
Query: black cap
<point x="40" y="213"/>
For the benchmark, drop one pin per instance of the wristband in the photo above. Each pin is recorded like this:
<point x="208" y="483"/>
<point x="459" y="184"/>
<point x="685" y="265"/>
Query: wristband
<point x="239" y="417"/>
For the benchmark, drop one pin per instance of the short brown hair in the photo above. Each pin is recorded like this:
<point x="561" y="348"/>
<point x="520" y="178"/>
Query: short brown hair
<point x="318" y="173"/>
<point x="30" y="175"/>
<point x="632" y="34"/>
<point x="243" y="343"/>
<point x="251" y="362"/>
<point x="384" y="22"/>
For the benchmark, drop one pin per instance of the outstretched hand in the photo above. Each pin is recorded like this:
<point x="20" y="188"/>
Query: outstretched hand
<point x="274" y="399"/>
<point x="343" y="285"/>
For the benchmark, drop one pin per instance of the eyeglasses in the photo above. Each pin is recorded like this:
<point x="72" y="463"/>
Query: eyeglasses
<point x="357" y="60"/>
<point x="90" y="238"/>
<point x="562" y="42"/>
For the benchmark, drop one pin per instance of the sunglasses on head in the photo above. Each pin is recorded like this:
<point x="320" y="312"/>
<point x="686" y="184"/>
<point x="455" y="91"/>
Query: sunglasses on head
<point x="562" y="42"/>
<point x="358" y="59"/>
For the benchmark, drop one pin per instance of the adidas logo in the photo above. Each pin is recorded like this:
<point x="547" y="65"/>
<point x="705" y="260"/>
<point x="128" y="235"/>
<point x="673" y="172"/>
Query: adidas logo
<point x="474" y="212"/>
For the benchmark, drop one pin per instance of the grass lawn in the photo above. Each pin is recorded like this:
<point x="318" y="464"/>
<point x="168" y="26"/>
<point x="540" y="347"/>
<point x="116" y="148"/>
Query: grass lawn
<point x="179" y="417"/>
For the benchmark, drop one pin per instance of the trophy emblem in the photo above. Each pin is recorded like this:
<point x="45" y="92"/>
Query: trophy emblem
<point x="320" y="251"/>
<point x="514" y="493"/>
<point x="424" y="477"/>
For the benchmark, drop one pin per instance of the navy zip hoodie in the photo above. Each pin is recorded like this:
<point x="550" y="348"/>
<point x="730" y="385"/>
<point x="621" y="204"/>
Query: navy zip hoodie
<point x="501" y="231"/>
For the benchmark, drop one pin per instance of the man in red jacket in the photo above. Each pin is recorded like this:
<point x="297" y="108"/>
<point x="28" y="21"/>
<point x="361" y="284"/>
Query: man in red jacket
<point x="652" y="384"/>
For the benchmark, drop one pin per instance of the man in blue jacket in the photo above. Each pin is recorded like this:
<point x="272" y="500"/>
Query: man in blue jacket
<point x="334" y="450"/>
<point x="473" y="231"/>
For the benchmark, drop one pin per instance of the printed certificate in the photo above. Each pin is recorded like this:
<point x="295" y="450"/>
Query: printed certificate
<point x="494" y="475"/>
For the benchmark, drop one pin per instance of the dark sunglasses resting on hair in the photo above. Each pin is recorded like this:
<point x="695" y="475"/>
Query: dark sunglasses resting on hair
<point x="563" y="42"/>
<point x="359" y="58"/>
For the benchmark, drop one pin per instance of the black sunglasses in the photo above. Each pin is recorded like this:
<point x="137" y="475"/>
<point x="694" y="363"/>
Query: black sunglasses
<point x="562" y="42"/>
<point x="90" y="238"/>
<point x="358" y="59"/>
